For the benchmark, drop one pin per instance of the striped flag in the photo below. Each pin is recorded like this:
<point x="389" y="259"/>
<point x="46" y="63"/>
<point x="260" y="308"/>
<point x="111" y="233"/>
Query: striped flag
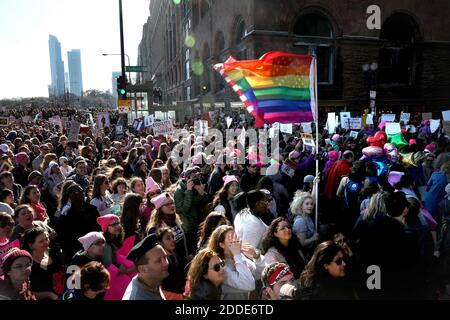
<point x="278" y="87"/>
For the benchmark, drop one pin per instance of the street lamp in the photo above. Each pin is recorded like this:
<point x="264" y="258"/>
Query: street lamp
<point x="118" y="54"/>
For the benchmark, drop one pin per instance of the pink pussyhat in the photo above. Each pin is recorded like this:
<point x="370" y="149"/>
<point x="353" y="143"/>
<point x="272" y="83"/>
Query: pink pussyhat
<point x="161" y="200"/>
<point x="151" y="185"/>
<point x="155" y="143"/>
<point x="229" y="179"/>
<point x="88" y="239"/>
<point x="106" y="220"/>
<point x="333" y="155"/>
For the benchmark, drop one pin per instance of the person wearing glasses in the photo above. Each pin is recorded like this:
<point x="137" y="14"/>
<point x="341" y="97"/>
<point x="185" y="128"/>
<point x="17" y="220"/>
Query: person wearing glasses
<point x="206" y="276"/>
<point x="101" y="198"/>
<point x="324" y="277"/>
<point x="16" y="283"/>
<point x="281" y="245"/>
<point x="6" y="228"/>
<point x="242" y="263"/>
<point x="114" y="235"/>
<point x="93" y="248"/>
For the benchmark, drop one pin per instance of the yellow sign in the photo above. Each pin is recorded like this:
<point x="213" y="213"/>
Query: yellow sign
<point x="124" y="106"/>
<point x="364" y="118"/>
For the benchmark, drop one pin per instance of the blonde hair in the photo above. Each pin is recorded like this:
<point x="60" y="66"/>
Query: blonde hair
<point x="299" y="198"/>
<point x="377" y="206"/>
<point x="49" y="157"/>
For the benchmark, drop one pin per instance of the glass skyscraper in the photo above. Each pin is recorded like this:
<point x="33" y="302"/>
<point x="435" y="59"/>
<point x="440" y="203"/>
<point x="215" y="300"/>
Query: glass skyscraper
<point x="75" y="75"/>
<point x="56" y="67"/>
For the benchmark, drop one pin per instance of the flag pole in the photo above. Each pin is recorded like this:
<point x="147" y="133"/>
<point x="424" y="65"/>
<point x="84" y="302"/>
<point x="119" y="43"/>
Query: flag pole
<point x="317" y="142"/>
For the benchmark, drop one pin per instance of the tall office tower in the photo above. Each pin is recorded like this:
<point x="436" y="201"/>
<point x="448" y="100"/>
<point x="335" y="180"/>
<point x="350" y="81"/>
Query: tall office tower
<point x="56" y="66"/>
<point x="75" y="75"/>
<point x="66" y="81"/>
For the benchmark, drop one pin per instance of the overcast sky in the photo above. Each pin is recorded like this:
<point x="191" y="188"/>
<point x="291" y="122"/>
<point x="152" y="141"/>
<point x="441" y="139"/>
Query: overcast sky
<point x="89" y="25"/>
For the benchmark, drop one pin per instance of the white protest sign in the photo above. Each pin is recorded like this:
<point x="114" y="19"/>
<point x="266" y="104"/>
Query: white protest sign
<point x="353" y="134"/>
<point x="119" y="130"/>
<point x="229" y="120"/>
<point x="331" y="122"/>
<point x="73" y="130"/>
<point x="149" y="120"/>
<point x="103" y="120"/>
<point x="369" y="119"/>
<point x="306" y="127"/>
<point x="287" y="170"/>
<point x="344" y="117"/>
<point x="308" y="139"/>
<point x="388" y="117"/>
<point x="405" y="117"/>
<point x="446" y="115"/>
<point x="286" y="127"/>
<point x="434" y="125"/>
<point x="393" y="128"/>
<point x="355" y="123"/>
<point x="162" y="127"/>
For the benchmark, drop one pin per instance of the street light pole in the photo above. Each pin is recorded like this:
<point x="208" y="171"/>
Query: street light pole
<point x="122" y="46"/>
<point x="119" y="54"/>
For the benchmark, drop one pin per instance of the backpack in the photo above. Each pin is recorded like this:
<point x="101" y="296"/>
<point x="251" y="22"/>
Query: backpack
<point x="351" y="193"/>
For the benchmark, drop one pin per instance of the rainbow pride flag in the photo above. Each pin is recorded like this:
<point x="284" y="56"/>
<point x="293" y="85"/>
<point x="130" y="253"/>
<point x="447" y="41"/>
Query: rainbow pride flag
<point x="278" y="87"/>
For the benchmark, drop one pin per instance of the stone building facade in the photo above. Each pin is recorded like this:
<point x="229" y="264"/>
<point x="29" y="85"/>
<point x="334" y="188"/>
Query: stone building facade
<point x="407" y="61"/>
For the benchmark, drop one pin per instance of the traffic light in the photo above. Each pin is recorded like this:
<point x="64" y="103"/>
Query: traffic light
<point x="122" y="87"/>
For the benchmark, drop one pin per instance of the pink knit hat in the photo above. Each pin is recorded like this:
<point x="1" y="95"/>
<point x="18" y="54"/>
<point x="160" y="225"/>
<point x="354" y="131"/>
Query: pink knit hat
<point x="430" y="147"/>
<point x="333" y="155"/>
<point x="88" y="239"/>
<point x="18" y="158"/>
<point x="229" y="179"/>
<point x="151" y="185"/>
<point x="105" y="221"/>
<point x="335" y="137"/>
<point x="412" y="142"/>
<point x="155" y="143"/>
<point x="161" y="200"/>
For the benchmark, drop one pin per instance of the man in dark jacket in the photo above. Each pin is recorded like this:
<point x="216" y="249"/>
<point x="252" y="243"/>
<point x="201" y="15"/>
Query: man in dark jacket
<point x="215" y="181"/>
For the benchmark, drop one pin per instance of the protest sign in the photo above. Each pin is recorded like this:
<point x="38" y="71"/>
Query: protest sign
<point x="331" y="122"/>
<point x="355" y="123"/>
<point x="405" y="117"/>
<point x="369" y="119"/>
<point x="124" y="106"/>
<point x="393" y="128"/>
<point x="4" y="121"/>
<point x="353" y="134"/>
<point x="287" y="170"/>
<point x="426" y="116"/>
<point x="446" y="115"/>
<point x="388" y="117"/>
<point x="73" y="130"/>
<point x="308" y="139"/>
<point x="306" y="126"/>
<point x="103" y="120"/>
<point x="344" y="119"/>
<point x="434" y="125"/>
<point x="162" y="127"/>
<point x="119" y="130"/>
<point x="149" y="120"/>
<point x="446" y="126"/>
<point x="5" y="249"/>
<point x="286" y="127"/>
<point x="140" y="125"/>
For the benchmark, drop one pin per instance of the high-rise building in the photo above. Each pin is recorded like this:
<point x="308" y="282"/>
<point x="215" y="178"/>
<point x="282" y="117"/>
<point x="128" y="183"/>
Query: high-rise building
<point x="56" y="67"/>
<point x="115" y="75"/>
<point x="67" y="81"/>
<point x="75" y="75"/>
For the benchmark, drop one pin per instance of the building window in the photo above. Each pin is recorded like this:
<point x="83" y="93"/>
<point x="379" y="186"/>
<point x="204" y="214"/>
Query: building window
<point x="188" y="93"/>
<point x="187" y="64"/>
<point x="314" y="35"/>
<point x="396" y="57"/>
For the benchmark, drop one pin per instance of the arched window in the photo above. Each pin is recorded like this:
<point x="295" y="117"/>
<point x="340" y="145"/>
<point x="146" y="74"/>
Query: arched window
<point x="239" y="35"/>
<point x="314" y="35"/>
<point x="396" y="57"/>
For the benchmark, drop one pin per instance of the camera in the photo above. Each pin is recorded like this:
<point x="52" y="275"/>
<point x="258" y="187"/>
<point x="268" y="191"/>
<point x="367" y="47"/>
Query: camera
<point x="197" y="181"/>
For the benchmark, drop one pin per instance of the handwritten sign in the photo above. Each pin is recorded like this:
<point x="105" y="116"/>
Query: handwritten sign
<point x="162" y="127"/>
<point x="73" y="130"/>
<point x="434" y="125"/>
<point x="355" y="123"/>
<point x="308" y="139"/>
<point x="369" y="119"/>
<point x="388" y="117"/>
<point x="306" y="126"/>
<point x="286" y="127"/>
<point x="344" y="119"/>
<point x="405" y="117"/>
<point x="331" y="122"/>
<point x="393" y="128"/>
<point x="149" y="120"/>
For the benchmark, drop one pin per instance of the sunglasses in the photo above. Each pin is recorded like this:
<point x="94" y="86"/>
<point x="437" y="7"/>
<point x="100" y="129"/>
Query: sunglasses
<point x="219" y="265"/>
<point x="339" y="261"/>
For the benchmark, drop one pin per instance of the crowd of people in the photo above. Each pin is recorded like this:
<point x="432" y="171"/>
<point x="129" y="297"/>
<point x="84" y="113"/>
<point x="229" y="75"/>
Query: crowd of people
<point x="121" y="217"/>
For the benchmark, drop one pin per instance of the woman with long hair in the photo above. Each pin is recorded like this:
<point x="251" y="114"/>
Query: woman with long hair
<point x="240" y="271"/>
<point x="164" y="215"/>
<point x="49" y="157"/>
<point x="129" y="163"/>
<point x="32" y="196"/>
<point x="280" y="245"/>
<point x="303" y="227"/>
<point x="206" y="276"/>
<point x="101" y="198"/>
<point x="174" y="169"/>
<point x="163" y="152"/>
<point x="141" y="170"/>
<point x="211" y="222"/>
<point x="115" y="173"/>
<point x="223" y="201"/>
<point x="165" y="178"/>
<point x="130" y="216"/>
<point x="324" y="275"/>
<point x="137" y="186"/>
<point x="114" y="235"/>
<point x="47" y="272"/>
<point x="157" y="163"/>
